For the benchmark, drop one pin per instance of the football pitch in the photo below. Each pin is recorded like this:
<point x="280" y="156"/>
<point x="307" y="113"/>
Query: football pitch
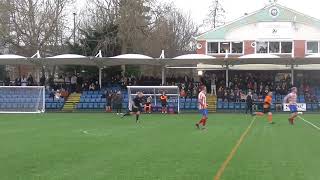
<point x="98" y="146"/>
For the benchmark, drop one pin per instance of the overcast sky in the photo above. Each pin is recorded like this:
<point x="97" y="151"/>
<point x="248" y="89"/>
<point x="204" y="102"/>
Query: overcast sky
<point x="237" y="8"/>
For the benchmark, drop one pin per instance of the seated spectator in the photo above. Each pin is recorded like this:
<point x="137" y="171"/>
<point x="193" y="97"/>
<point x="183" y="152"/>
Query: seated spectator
<point x="148" y="105"/>
<point x="57" y="95"/>
<point x="92" y="87"/>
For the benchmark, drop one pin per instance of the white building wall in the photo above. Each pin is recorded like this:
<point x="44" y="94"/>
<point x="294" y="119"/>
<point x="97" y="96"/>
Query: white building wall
<point x="274" y="30"/>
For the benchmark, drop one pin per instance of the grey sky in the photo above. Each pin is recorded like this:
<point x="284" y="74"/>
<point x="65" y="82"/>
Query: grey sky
<point x="237" y="8"/>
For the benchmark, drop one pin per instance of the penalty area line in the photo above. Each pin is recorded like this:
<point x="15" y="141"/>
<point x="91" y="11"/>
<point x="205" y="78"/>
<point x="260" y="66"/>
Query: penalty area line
<point x="309" y="123"/>
<point x="233" y="151"/>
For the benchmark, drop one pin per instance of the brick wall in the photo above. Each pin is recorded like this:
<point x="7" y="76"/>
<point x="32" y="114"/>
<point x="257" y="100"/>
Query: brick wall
<point x="203" y="48"/>
<point x="248" y="49"/>
<point x="299" y="48"/>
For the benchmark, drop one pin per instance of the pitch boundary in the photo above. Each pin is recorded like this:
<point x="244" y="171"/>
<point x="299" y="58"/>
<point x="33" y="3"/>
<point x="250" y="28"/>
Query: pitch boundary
<point x="308" y="122"/>
<point x="233" y="151"/>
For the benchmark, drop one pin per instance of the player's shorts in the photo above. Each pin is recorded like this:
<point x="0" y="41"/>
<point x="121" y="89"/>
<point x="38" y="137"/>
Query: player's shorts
<point x="164" y="104"/>
<point x="136" y="109"/>
<point x="266" y="110"/>
<point x="293" y="108"/>
<point x="147" y="106"/>
<point x="204" y="112"/>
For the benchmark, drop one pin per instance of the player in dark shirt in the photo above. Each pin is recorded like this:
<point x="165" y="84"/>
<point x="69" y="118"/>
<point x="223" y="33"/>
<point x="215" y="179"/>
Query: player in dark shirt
<point x="136" y="106"/>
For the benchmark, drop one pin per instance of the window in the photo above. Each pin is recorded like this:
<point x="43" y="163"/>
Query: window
<point x="286" y="47"/>
<point x="274" y="47"/>
<point x="312" y="47"/>
<point x="237" y="47"/>
<point x="213" y="47"/>
<point x="262" y="47"/>
<point x="224" y="47"/>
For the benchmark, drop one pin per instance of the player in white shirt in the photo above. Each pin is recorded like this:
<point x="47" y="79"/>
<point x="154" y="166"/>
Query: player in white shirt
<point x="202" y="101"/>
<point x="291" y="98"/>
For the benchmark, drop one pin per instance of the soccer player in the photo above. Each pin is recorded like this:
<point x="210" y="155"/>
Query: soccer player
<point x="291" y="98"/>
<point x="202" y="101"/>
<point x="147" y="105"/>
<point x="266" y="107"/>
<point x="136" y="106"/>
<point x="164" y="99"/>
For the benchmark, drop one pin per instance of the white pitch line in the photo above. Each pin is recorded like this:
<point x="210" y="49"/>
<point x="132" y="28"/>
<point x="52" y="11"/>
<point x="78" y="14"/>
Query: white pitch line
<point x="309" y="123"/>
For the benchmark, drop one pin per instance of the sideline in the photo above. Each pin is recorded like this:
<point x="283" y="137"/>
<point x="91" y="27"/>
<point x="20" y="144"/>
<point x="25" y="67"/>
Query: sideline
<point x="309" y="122"/>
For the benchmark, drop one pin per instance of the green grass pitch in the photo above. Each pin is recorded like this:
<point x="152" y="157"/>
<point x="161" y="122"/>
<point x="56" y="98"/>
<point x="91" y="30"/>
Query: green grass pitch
<point x="93" y="146"/>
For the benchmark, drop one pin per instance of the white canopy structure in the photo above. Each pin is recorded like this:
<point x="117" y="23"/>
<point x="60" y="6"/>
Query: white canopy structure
<point x="308" y="67"/>
<point x="132" y="56"/>
<point x="69" y="59"/>
<point x="260" y="67"/>
<point x="194" y="56"/>
<point x="12" y="59"/>
<point x="259" y="56"/>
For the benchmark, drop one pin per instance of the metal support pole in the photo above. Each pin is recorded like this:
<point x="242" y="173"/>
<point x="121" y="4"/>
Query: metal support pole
<point x="163" y="76"/>
<point x="292" y="74"/>
<point x="227" y="75"/>
<point x="100" y="77"/>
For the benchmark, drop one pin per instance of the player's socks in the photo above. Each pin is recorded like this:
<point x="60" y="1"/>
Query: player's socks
<point x="205" y="121"/>
<point x="259" y="114"/>
<point x="137" y="118"/>
<point x="201" y="121"/>
<point x="270" y="119"/>
<point x="290" y="121"/>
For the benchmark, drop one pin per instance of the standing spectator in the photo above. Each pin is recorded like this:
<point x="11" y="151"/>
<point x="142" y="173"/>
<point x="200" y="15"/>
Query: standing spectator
<point x="30" y="80"/>
<point x="73" y="83"/>
<point x="109" y="100"/>
<point x="24" y="81"/>
<point x="117" y="100"/>
<point x="249" y="102"/>
<point x="67" y="81"/>
<point x="213" y="86"/>
<point x="42" y="80"/>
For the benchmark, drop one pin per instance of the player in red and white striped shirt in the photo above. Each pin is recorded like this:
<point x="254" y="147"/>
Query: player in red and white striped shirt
<point x="202" y="101"/>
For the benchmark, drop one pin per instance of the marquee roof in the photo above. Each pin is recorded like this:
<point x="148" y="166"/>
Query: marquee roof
<point x="184" y="61"/>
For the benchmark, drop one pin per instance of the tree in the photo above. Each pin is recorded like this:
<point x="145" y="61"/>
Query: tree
<point x="216" y="15"/>
<point x="35" y="25"/>
<point x="134" y="24"/>
<point x="172" y="31"/>
<point x="98" y="29"/>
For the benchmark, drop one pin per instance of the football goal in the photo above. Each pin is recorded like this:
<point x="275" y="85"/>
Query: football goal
<point x="22" y="99"/>
<point x="172" y="92"/>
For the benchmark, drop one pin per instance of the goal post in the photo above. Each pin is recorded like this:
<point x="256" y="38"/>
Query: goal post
<point x="155" y="92"/>
<point x="22" y="99"/>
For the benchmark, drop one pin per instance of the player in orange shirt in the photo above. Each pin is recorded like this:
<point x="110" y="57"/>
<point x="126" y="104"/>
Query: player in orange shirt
<point x="164" y="102"/>
<point x="266" y="107"/>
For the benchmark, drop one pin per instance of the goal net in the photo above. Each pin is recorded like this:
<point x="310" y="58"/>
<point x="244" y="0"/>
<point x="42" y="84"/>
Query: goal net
<point x="154" y="92"/>
<point x="22" y="99"/>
